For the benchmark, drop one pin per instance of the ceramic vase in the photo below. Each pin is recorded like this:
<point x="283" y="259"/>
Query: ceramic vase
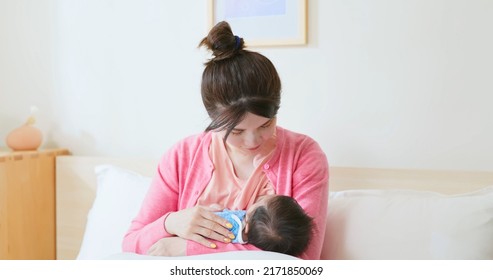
<point x="25" y="138"/>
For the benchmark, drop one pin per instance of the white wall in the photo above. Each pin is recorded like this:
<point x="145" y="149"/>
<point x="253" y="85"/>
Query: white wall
<point x="382" y="83"/>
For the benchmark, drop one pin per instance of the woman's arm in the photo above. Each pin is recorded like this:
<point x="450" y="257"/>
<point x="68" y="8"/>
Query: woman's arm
<point x="194" y="248"/>
<point x="164" y="211"/>
<point x="310" y="189"/>
<point x="160" y="201"/>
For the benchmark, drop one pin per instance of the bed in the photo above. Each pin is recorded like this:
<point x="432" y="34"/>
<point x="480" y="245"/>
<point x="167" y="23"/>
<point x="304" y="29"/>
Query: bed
<point x="373" y="213"/>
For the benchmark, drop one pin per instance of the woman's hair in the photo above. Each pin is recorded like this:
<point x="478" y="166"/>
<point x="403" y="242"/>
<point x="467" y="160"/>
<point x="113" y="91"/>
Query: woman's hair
<point x="280" y="226"/>
<point x="236" y="81"/>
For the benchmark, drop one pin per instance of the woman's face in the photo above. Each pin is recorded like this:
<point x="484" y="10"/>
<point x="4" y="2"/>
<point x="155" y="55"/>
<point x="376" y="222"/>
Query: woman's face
<point x="249" y="135"/>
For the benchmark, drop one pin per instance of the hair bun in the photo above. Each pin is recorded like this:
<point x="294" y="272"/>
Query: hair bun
<point x="222" y="42"/>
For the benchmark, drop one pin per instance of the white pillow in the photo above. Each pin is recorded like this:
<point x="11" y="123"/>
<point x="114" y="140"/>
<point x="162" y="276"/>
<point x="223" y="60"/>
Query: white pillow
<point x="119" y="196"/>
<point x="400" y="224"/>
<point x="231" y="255"/>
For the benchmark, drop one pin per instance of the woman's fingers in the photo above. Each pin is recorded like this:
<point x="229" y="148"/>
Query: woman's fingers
<point x="214" y="235"/>
<point x="206" y="237"/>
<point x="211" y="226"/>
<point x="202" y="240"/>
<point x="217" y="224"/>
<point x="201" y="225"/>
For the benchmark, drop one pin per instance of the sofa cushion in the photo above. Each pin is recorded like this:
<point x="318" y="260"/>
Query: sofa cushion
<point x="405" y="224"/>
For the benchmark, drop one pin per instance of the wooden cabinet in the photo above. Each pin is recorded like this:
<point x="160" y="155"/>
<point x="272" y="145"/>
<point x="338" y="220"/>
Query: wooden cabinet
<point x="27" y="204"/>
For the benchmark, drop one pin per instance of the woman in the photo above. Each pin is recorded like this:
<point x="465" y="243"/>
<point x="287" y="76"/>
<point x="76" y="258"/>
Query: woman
<point x="241" y="155"/>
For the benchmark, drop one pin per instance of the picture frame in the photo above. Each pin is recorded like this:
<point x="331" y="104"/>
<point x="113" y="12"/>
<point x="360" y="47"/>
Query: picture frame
<point x="263" y="22"/>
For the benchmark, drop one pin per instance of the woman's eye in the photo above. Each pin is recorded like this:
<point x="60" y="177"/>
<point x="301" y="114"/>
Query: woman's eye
<point x="266" y="125"/>
<point x="236" y="132"/>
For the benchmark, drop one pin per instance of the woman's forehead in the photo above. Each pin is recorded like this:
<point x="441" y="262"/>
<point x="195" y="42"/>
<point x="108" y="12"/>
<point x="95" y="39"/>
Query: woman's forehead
<point x="251" y="121"/>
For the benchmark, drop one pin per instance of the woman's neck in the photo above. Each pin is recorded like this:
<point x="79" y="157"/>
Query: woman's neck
<point x="242" y="162"/>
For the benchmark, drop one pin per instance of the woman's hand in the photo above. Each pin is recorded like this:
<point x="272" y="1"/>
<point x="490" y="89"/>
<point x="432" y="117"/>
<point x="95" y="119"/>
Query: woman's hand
<point x="198" y="224"/>
<point x="169" y="246"/>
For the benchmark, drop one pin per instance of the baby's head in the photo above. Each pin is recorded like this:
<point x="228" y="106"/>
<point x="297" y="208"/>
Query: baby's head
<point x="278" y="223"/>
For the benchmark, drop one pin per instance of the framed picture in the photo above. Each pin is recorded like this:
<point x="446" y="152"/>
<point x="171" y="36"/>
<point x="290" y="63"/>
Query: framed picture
<point x="263" y="22"/>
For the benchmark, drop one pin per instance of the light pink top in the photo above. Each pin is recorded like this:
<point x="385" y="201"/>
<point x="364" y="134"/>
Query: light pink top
<point x="229" y="191"/>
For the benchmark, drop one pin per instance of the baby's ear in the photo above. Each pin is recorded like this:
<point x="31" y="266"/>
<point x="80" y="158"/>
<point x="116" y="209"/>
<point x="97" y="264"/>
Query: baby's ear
<point x="247" y="227"/>
<point x="244" y="233"/>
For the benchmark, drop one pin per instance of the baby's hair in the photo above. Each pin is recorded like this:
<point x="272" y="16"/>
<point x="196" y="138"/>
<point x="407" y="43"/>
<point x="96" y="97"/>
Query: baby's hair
<point x="280" y="226"/>
<point x="236" y="81"/>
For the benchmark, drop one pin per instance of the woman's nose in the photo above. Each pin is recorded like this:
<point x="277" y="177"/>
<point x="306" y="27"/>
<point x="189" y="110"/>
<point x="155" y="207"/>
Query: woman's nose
<point x="252" y="140"/>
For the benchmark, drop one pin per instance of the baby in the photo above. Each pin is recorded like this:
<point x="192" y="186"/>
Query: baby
<point x="274" y="223"/>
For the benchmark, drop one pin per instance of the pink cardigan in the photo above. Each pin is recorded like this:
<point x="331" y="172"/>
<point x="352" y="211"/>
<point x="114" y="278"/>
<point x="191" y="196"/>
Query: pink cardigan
<point x="298" y="168"/>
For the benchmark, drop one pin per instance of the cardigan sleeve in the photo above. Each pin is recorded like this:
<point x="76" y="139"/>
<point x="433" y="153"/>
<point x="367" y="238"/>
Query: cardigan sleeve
<point x="161" y="199"/>
<point x="310" y="188"/>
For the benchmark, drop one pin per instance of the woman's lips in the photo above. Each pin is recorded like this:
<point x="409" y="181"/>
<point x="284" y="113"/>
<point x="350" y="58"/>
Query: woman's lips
<point x="253" y="149"/>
